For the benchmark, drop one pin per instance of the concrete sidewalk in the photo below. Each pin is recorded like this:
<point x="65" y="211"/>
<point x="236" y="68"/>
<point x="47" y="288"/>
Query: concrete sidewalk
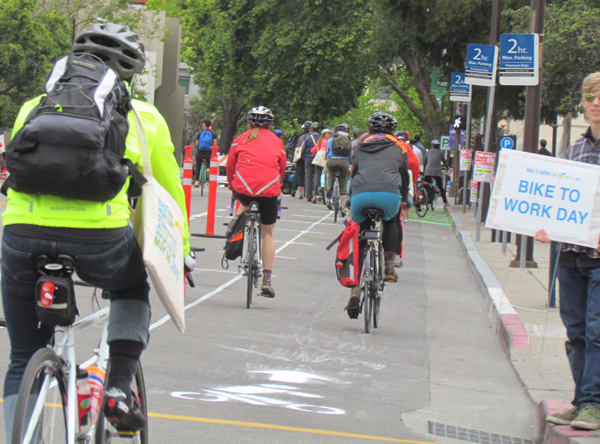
<point x="531" y="333"/>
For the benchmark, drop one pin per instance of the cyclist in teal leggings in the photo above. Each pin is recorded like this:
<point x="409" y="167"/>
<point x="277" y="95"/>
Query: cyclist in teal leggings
<point x="379" y="180"/>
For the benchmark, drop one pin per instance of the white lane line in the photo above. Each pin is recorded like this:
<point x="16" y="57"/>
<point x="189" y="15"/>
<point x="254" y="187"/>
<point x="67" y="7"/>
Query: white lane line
<point x="297" y="243"/>
<point x="237" y="278"/>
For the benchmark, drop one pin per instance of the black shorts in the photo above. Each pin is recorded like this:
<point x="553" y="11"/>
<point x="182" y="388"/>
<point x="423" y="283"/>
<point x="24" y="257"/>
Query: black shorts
<point x="202" y="154"/>
<point x="267" y="206"/>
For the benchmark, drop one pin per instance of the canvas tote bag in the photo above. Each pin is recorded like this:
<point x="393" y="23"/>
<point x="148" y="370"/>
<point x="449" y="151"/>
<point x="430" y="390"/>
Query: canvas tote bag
<point x="158" y="227"/>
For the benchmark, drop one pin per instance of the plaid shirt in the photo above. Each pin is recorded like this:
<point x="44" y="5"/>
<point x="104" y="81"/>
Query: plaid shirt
<point x="585" y="149"/>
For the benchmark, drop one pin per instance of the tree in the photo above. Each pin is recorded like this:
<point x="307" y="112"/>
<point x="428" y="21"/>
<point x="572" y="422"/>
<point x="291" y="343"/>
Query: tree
<point x="419" y="35"/>
<point x="303" y="59"/>
<point x="35" y="33"/>
<point x="32" y="38"/>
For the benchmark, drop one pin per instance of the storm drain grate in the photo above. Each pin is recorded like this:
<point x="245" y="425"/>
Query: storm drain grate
<point x="473" y="435"/>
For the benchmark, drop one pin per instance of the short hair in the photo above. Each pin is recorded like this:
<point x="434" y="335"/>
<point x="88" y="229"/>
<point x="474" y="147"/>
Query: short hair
<point x="591" y="83"/>
<point x="206" y="122"/>
<point x="543" y="143"/>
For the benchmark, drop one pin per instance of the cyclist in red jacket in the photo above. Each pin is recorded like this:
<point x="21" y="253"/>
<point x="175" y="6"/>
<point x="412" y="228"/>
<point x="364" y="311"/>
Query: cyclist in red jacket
<point x="255" y="168"/>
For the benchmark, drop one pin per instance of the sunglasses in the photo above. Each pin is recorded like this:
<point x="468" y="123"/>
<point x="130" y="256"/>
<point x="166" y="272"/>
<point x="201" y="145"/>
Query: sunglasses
<point x="590" y="97"/>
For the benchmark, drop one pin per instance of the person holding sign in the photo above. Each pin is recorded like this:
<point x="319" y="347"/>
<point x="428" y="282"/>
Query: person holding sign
<point x="579" y="278"/>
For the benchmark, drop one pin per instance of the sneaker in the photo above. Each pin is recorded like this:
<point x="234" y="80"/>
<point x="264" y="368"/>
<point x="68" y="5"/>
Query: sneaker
<point x="398" y="262"/>
<point x="588" y="418"/>
<point x="196" y="184"/>
<point x="123" y="411"/>
<point x="329" y="206"/>
<point x="563" y="418"/>
<point x="266" y="289"/>
<point x="353" y="307"/>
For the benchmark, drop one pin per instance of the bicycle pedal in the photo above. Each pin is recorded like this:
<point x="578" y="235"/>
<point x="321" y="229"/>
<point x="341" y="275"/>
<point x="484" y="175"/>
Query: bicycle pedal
<point x="266" y="295"/>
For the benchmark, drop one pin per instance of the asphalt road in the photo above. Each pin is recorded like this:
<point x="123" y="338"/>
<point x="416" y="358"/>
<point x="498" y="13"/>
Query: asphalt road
<point x="295" y="369"/>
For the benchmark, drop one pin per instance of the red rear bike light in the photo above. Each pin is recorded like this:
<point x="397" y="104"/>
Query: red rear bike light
<point x="47" y="294"/>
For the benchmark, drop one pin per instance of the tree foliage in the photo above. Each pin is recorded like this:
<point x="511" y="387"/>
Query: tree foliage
<point x="303" y="59"/>
<point x="35" y="33"/>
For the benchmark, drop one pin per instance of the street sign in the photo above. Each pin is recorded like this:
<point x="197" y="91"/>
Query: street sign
<point x="482" y="61"/>
<point x="445" y="143"/>
<point x="507" y="143"/>
<point x="484" y="166"/>
<point x="460" y="91"/>
<point x="519" y="59"/>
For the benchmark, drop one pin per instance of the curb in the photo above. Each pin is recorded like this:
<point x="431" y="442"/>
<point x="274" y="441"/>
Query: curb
<point x="506" y="320"/>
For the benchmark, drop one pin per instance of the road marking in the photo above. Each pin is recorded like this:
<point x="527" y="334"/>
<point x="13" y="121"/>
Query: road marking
<point x="281" y="427"/>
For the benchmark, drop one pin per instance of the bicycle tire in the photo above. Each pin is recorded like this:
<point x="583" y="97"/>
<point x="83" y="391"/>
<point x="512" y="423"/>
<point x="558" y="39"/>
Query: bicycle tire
<point x="105" y="434"/>
<point x="202" y="177"/>
<point x="379" y="284"/>
<point x="423" y="206"/>
<point x="365" y="307"/>
<point x="44" y="366"/>
<point x="251" y="274"/>
<point x="435" y="194"/>
<point x="336" y="199"/>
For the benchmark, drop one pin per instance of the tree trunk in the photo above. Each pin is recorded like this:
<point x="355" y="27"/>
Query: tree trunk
<point x="231" y="117"/>
<point x="566" y="136"/>
<point x="430" y="116"/>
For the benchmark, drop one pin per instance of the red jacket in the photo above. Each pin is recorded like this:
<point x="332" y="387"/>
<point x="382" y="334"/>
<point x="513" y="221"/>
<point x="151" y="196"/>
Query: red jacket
<point x="256" y="168"/>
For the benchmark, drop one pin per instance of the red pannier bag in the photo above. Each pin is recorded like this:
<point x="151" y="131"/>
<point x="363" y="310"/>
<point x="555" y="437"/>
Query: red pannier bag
<point x="346" y="259"/>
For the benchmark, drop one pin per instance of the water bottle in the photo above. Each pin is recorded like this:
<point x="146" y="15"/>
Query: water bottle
<point x="96" y="385"/>
<point x="83" y="400"/>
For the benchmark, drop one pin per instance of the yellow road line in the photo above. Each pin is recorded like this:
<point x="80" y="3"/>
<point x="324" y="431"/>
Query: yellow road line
<point x="286" y="428"/>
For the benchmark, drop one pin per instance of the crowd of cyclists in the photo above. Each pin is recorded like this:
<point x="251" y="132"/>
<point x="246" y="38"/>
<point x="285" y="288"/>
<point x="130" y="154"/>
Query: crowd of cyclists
<point x="375" y="170"/>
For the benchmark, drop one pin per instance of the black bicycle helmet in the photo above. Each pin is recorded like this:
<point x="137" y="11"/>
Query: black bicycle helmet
<point x="307" y="126"/>
<point x="116" y="45"/>
<point x="260" y="117"/>
<point x="382" y="123"/>
<point x="342" y="127"/>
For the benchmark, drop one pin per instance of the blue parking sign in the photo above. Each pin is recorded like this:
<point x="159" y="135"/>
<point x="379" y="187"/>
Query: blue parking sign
<point x="482" y="61"/>
<point x="519" y="59"/>
<point x="460" y="91"/>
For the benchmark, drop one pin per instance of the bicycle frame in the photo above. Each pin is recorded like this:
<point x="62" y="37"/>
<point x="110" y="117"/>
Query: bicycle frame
<point x="65" y="348"/>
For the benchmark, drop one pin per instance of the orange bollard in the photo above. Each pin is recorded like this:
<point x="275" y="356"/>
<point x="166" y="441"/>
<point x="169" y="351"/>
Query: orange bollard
<point x="212" y="192"/>
<point x="188" y="172"/>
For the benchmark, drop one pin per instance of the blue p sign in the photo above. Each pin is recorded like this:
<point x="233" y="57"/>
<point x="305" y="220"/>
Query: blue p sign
<point x="507" y="143"/>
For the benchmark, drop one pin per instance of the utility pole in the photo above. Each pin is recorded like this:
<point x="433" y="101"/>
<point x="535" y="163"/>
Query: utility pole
<point x="531" y="134"/>
<point x="490" y="142"/>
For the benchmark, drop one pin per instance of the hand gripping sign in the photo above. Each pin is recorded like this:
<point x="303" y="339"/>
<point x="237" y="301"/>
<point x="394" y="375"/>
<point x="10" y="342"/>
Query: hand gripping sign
<point x="532" y="192"/>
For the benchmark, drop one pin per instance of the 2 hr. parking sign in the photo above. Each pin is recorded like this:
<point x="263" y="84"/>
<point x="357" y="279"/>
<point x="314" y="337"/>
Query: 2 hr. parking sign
<point x="519" y="59"/>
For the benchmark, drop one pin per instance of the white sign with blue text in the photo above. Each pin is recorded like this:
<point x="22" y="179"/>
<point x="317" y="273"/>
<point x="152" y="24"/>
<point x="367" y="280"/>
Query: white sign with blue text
<point x="519" y="59"/>
<point x="482" y="61"/>
<point x="532" y="192"/>
<point x="460" y="91"/>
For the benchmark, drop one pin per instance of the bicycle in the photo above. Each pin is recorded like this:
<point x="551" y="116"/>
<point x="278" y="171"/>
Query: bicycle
<point x="47" y="408"/>
<point x="372" y="277"/>
<point x="421" y="201"/>
<point x="202" y="176"/>
<point x="251" y="263"/>
<point x="335" y="202"/>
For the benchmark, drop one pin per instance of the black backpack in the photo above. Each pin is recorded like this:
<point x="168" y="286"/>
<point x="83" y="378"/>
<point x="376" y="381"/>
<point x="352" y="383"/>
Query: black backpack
<point x="341" y="146"/>
<point x="72" y="143"/>
<point x="234" y="236"/>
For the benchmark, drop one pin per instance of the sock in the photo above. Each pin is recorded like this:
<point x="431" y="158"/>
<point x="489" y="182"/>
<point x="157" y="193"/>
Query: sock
<point x="267" y="275"/>
<point x="124" y="357"/>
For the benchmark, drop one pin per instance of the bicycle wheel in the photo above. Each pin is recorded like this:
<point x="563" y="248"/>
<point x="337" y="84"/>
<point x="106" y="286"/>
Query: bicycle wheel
<point x="106" y="434"/>
<point x="435" y="194"/>
<point x="368" y="288"/>
<point x="336" y="199"/>
<point x="423" y="204"/>
<point x="202" y="177"/>
<point x="378" y="285"/>
<point x="41" y="410"/>
<point x="251" y="275"/>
